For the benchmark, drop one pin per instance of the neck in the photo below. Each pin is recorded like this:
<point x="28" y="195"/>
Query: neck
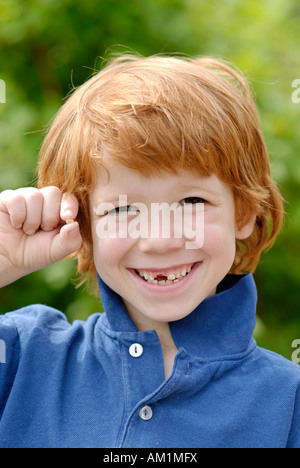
<point x="162" y="329"/>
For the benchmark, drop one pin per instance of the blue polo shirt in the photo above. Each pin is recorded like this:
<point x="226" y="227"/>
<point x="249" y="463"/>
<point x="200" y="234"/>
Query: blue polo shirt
<point x="100" y="383"/>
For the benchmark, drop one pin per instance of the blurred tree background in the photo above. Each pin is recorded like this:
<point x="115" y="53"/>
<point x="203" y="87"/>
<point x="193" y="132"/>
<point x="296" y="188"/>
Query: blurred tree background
<point x="49" y="46"/>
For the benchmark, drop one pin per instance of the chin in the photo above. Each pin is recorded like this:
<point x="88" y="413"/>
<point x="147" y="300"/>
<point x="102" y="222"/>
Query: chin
<point x="170" y="313"/>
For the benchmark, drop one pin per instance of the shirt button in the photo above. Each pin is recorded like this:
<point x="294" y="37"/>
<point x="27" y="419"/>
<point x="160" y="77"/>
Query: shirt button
<point x="136" y="350"/>
<point x="146" y="413"/>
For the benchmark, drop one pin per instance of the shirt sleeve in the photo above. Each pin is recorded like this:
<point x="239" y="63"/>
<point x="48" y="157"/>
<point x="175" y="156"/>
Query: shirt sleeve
<point x="9" y="358"/>
<point x="15" y="331"/>
<point x="294" y="436"/>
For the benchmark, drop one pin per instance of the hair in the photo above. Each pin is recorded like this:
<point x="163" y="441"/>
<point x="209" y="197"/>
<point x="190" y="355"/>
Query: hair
<point x="166" y="113"/>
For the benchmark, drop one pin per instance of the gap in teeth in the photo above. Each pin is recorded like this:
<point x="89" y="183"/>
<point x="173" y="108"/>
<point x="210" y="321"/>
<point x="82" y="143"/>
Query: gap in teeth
<point x="164" y="279"/>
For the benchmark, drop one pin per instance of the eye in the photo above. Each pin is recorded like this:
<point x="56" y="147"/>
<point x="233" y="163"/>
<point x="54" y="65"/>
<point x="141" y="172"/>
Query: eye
<point x="124" y="210"/>
<point x="192" y="201"/>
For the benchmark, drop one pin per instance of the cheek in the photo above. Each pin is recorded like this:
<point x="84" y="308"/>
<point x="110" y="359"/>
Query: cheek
<point x="110" y="252"/>
<point x="107" y="251"/>
<point x="219" y="241"/>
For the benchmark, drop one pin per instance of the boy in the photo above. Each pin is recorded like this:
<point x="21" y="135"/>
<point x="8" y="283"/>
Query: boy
<point x="172" y="361"/>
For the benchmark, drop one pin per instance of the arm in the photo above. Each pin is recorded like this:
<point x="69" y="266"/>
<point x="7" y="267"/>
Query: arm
<point x="294" y="436"/>
<point x="33" y="230"/>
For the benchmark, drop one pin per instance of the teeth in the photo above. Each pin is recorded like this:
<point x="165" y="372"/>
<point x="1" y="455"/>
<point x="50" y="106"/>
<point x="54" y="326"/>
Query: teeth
<point x="171" y="278"/>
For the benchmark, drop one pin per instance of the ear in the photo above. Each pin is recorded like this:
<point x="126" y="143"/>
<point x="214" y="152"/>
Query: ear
<point x="245" y="219"/>
<point x="245" y="231"/>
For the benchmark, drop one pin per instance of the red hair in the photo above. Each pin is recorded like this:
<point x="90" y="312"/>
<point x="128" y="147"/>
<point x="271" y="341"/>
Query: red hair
<point x="161" y="114"/>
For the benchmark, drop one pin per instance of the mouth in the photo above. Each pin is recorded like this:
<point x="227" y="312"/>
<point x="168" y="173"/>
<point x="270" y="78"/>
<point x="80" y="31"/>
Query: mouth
<point x="166" y="276"/>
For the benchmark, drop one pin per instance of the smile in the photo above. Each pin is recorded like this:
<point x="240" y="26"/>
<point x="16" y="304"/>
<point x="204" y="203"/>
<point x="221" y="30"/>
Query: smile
<point x="165" y="276"/>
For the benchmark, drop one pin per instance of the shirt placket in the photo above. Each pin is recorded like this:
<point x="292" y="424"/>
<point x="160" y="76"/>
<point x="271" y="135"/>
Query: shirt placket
<point x="142" y="366"/>
<point x="142" y="417"/>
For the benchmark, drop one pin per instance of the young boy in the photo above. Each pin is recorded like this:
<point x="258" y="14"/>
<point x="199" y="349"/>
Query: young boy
<point x="172" y="361"/>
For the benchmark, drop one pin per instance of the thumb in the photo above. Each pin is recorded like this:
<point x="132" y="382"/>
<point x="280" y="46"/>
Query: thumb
<point x="66" y="242"/>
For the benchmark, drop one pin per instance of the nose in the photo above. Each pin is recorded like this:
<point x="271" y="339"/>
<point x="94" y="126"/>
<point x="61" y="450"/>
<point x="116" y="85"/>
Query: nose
<point x="160" y="244"/>
<point x="162" y="230"/>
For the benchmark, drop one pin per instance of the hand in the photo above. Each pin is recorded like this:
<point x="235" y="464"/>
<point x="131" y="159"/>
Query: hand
<point x="33" y="230"/>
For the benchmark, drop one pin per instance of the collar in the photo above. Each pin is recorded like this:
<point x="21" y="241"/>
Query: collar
<point x="221" y="325"/>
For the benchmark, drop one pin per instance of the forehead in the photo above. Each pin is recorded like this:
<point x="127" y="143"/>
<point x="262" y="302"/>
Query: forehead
<point x="115" y="179"/>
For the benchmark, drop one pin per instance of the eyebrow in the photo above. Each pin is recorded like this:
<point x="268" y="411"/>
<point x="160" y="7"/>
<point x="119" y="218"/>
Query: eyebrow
<point x="186" y="187"/>
<point x="133" y="197"/>
<point x="112" y="199"/>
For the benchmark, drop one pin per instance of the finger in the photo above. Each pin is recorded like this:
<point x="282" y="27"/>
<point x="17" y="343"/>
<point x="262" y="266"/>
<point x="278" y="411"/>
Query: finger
<point x="51" y="208"/>
<point x="4" y="196"/>
<point x="16" y="207"/>
<point x="66" y="242"/>
<point x="69" y="208"/>
<point x="17" y="211"/>
<point x="34" y="207"/>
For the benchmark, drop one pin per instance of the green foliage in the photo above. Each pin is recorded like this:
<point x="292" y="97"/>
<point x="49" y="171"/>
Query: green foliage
<point x="49" y="46"/>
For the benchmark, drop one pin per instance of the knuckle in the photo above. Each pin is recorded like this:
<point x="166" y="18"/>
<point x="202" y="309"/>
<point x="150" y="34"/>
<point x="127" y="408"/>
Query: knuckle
<point x="26" y="191"/>
<point x="16" y="205"/>
<point x="51" y="191"/>
<point x="27" y="195"/>
<point x="6" y="194"/>
<point x="35" y="196"/>
<point x="9" y="198"/>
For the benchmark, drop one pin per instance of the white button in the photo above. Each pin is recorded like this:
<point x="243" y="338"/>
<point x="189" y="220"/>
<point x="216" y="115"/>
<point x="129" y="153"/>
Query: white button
<point x="136" y="350"/>
<point x="146" y="413"/>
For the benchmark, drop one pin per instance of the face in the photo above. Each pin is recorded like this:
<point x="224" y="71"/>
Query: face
<point x="158" y="277"/>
